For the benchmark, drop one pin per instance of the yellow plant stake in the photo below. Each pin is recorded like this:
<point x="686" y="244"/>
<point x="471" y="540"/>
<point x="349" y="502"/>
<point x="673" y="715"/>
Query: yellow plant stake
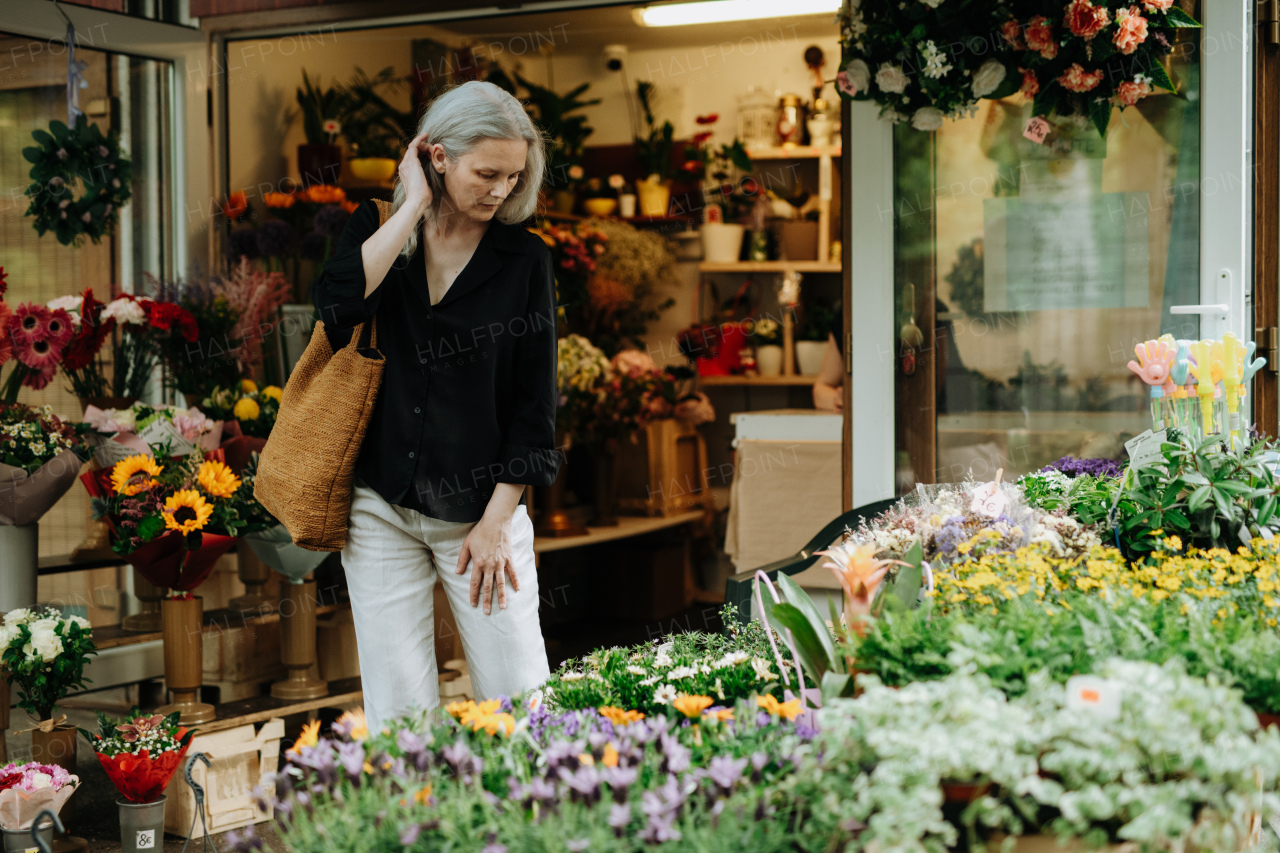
<point x="1233" y="366"/>
<point x="1202" y="369"/>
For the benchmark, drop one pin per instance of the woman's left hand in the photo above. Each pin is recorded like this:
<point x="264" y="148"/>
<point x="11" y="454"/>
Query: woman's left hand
<point x="488" y="548"/>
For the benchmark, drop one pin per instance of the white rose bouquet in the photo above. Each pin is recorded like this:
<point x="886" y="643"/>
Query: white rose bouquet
<point x="44" y="654"/>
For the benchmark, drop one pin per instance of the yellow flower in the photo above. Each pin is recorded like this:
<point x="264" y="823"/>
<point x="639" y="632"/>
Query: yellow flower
<point x="475" y="712"/>
<point x="186" y="510"/>
<point x="310" y="736"/>
<point x="790" y="710"/>
<point x="610" y="757"/>
<point x="724" y="715"/>
<point x="355" y="724"/>
<point x="587" y="759"/>
<point x="423" y="795"/>
<point x="124" y="472"/>
<point x="619" y="717"/>
<point x="248" y="386"/>
<point x="273" y="391"/>
<point x="494" y="723"/>
<point x="246" y="409"/>
<point x="217" y="479"/>
<point x="457" y="709"/>
<point x="692" y="706"/>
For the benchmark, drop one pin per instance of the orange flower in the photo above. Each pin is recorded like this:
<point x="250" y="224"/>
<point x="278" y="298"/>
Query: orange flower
<point x="494" y="723"/>
<point x="1076" y="79"/>
<point x="279" y="200"/>
<point x="235" y="205"/>
<point x="610" y="757"/>
<point x="310" y="737"/>
<point x="859" y="573"/>
<point x="1132" y="30"/>
<point x="1085" y="19"/>
<point x="692" y="706"/>
<point x="724" y="715"/>
<point x="619" y="717"/>
<point x="350" y="206"/>
<point x="324" y="194"/>
<point x="789" y="710"/>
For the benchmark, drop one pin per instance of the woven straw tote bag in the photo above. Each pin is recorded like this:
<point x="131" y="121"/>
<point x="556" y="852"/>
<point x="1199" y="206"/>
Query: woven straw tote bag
<point x="306" y="468"/>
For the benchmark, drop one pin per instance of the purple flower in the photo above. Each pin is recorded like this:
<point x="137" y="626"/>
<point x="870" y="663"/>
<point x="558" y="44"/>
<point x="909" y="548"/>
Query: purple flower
<point x="577" y="845"/>
<point x="504" y="704"/>
<point x="1093" y="467"/>
<point x="414" y="749"/>
<point x="725" y="771"/>
<point x="351" y="757"/>
<point x="409" y="836"/>
<point x="583" y="784"/>
<point x="275" y="237"/>
<point x="245" y="841"/>
<point x="330" y="220"/>
<point x="659" y="830"/>
<point x="495" y="847"/>
<point x="563" y="753"/>
<point x="619" y="817"/>
<point x="242" y="241"/>
<point x="676" y="755"/>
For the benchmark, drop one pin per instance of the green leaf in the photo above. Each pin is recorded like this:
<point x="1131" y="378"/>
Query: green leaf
<point x="150" y="527"/>
<point x="797" y="596"/>
<point x="836" y="685"/>
<point x="1100" y="112"/>
<point x="1160" y="77"/>
<point x="1175" y="17"/>
<point x="1198" y="498"/>
<point x="808" y="646"/>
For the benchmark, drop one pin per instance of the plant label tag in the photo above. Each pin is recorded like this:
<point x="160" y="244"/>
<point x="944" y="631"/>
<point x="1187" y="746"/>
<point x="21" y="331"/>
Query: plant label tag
<point x="1036" y="130"/>
<point x="161" y="431"/>
<point x="1094" y="694"/>
<point x="110" y="452"/>
<point x="988" y="500"/>
<point x="146" y="839"/>
<point x="1144" y="449"/>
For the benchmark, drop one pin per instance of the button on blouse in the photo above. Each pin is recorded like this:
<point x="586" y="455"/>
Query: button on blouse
<point x="468" y="397"/>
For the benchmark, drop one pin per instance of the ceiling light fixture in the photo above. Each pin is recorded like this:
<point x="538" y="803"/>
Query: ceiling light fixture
<point x="720" y="11"/>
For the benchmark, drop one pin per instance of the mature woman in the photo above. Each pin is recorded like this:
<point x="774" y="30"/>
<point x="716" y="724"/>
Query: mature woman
<point x="463" y="300"/>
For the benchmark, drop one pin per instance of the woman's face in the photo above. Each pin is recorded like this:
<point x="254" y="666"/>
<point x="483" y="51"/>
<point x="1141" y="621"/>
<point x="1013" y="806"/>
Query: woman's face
<point x="478" y="182"/>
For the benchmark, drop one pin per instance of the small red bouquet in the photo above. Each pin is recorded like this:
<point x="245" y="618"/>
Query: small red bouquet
<point x="140" y="754"/>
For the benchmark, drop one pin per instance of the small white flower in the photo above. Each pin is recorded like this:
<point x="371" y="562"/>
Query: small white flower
<point x="932" y="4"/>
<point x="935" y="64"/>
<point x="682" y="672"/>
<point x="572" y="676"/>
<point x="663" y="659"/>
<point x="664" y="695"/>
<point x="636" y="670"/>
<point x="890" y="78"/>
<point x="764" y="671"/>
<point x="732" y="659"/>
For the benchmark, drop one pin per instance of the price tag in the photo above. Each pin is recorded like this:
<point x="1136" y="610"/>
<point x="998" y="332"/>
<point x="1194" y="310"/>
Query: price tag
<point x="1036" y="130"/>
<point x="988" y="500"/>
<point x="145" y="839"/>
<point x="1144" y="449"/>
<point x="1094" y="694"/>
<point x="161" y="431"/>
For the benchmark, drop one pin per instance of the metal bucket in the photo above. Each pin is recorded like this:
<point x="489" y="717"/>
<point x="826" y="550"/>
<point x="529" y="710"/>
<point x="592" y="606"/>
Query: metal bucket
<point x="141" y="826"/>
<point x="20" y="840"/>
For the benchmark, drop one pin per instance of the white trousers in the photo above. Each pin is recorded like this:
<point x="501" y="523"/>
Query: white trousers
<point x="392" y="558"/>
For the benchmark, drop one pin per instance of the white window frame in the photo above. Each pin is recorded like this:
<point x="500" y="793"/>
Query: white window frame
<point x="190" y="188"/>
<point x="1226" y="243"/>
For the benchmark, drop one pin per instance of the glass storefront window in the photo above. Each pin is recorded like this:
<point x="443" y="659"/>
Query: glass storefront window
<point x="1025" y="273"/>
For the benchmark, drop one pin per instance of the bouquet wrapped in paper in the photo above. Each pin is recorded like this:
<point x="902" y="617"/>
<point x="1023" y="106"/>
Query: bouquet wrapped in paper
<point x="40" y="457"/>
<point x="140" y="754"/>
<point x="28" y="789"/>
<point x="120" y="433"/>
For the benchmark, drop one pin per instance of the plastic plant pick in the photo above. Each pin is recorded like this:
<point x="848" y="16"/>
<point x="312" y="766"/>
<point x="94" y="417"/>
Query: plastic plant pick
<point x="1181" y="364"/>
<point x="1251" y="366"/>
<point x="1154" y="360"/>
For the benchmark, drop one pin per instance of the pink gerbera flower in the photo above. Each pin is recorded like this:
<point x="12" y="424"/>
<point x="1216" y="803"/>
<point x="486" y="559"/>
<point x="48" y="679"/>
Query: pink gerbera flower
<point x="41" y="357"/>
<point x="29" y="322"/>
<point x="6" y="344"/>
<point x="58" y="328"/>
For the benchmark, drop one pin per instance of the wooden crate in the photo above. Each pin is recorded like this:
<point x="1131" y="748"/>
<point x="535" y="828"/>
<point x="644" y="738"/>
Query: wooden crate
<point x="241" y="656"/>
<point x="240" y="758"/>
<point x="667" y="472"/>
<point x="336" y="652"/>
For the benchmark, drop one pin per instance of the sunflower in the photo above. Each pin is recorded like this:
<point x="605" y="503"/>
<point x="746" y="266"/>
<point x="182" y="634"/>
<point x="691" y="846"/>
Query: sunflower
<point x="124" y="472"/>
<point x="217" y="479"/>
<point x="186" y="510"/>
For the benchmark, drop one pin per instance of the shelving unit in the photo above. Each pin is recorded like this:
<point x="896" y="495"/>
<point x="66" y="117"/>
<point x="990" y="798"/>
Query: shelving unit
<point x="825" y="155"/>
<point x="722" y="381"/>
<point x="770" y="266"/>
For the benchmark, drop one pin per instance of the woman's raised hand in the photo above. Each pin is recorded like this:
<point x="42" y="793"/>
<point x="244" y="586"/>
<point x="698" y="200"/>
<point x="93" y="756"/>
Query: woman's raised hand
<point x="417" y="191"/>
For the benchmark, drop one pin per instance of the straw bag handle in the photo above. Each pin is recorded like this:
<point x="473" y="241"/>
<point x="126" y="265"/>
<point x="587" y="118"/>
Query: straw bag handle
<point x="368" y="336"/>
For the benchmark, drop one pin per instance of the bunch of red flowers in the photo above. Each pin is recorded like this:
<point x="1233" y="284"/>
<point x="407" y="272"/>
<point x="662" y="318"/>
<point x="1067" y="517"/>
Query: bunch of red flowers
<point x="576" y="249"/>
<point x="1091" y="55"/>
<point x="140" y="754"/>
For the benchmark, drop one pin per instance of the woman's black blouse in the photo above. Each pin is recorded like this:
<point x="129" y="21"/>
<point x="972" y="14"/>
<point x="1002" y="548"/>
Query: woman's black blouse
<point x="468" y="397"/>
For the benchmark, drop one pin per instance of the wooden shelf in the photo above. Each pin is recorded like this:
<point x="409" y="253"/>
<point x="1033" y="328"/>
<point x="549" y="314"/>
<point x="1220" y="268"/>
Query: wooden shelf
<point x="259" y="709"/>
<point x="770" y="266"/>
<point x="722" y="381"/>
<point x="113" y="636"/>
<point x="793" y="152"/>
<point x="626" y="527"/>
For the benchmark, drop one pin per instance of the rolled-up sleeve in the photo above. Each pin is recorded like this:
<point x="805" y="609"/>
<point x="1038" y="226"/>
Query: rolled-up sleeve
<point x="338" y="292"/>
<point x="529" y="452"/>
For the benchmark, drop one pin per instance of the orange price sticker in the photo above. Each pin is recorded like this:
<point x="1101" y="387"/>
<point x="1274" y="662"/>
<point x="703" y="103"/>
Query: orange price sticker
<point x="1036" y="130"/>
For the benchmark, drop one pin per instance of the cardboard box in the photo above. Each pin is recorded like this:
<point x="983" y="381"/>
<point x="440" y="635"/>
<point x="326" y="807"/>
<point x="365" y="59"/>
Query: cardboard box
<point x="240" y="758"/>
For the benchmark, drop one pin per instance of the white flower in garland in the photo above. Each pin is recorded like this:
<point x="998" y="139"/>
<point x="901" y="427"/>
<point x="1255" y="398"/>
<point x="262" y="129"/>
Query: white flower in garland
<point x="935" y="61"/>
<point x="927" y="118"/>
<point x="988" y="78"/>
<point x="664" y="695"/>
<point x="764" y="672"/>
<point x="891" y="78"/>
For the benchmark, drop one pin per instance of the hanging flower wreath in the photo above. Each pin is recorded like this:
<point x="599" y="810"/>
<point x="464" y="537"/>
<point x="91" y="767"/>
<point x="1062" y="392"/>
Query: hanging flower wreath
<point x="926" y="60"/>
<point x="66" y="155"/>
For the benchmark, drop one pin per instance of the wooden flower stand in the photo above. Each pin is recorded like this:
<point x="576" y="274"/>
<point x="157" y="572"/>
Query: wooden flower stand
<point x="147" y="619"/>
<point x="183" y="626"/>
<point x="668" y="475"/>
<point x="298" y="643"/>
<point x="254" y="574"/>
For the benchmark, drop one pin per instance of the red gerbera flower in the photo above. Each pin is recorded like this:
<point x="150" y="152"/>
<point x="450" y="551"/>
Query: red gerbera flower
<point x="41" y="357"/>
<point x="58" y="328"/>
<point x="29" y="322"/>
<point x="168" y="315"/>
<point x="90" y="336"/>
<point x="6" y="343"/>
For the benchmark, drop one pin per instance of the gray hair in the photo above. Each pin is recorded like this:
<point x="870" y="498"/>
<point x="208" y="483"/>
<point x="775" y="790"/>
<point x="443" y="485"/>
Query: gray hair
<point x="458" y="119"/>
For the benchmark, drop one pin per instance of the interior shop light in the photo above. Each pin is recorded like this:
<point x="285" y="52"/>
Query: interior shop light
<point x="720" y="11"/>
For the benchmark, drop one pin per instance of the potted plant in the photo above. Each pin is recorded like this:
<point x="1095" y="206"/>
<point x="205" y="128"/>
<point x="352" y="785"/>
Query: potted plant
<point x="320" y="158"/>
<point x="765" y="334"/>
<point x="654" y="152"/>
<point x="140" y="754"/>
<point x="44" y="655"/>
<point x="372" y="126"/>
<point x="721" y="240"/>
<point x="811" y="348"/>
<point x="598" y="199"/>
<point x="28" y="790"/>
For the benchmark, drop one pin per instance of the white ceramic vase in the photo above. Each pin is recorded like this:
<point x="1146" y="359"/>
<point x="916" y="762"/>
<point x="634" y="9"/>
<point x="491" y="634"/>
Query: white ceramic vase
<point x="769" y="360"/>
<point x="809" y="355"/>
<point x="721" y="242"/>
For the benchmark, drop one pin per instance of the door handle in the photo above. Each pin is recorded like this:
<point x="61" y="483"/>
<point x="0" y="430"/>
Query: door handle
<point x="1219" y="308"/>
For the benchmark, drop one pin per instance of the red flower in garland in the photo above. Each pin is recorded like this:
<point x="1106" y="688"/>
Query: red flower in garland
<point x="1085" y="19"/>
<point x="89" y="338"/>
<point x="141" y="778"/>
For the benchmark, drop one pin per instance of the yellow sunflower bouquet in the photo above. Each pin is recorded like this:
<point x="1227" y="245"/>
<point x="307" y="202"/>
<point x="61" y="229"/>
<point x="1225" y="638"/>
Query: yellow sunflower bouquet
<point x="172" y="518"/>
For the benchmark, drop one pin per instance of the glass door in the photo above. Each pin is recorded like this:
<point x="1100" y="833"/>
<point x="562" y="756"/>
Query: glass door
<point x="1023" y="274"/>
